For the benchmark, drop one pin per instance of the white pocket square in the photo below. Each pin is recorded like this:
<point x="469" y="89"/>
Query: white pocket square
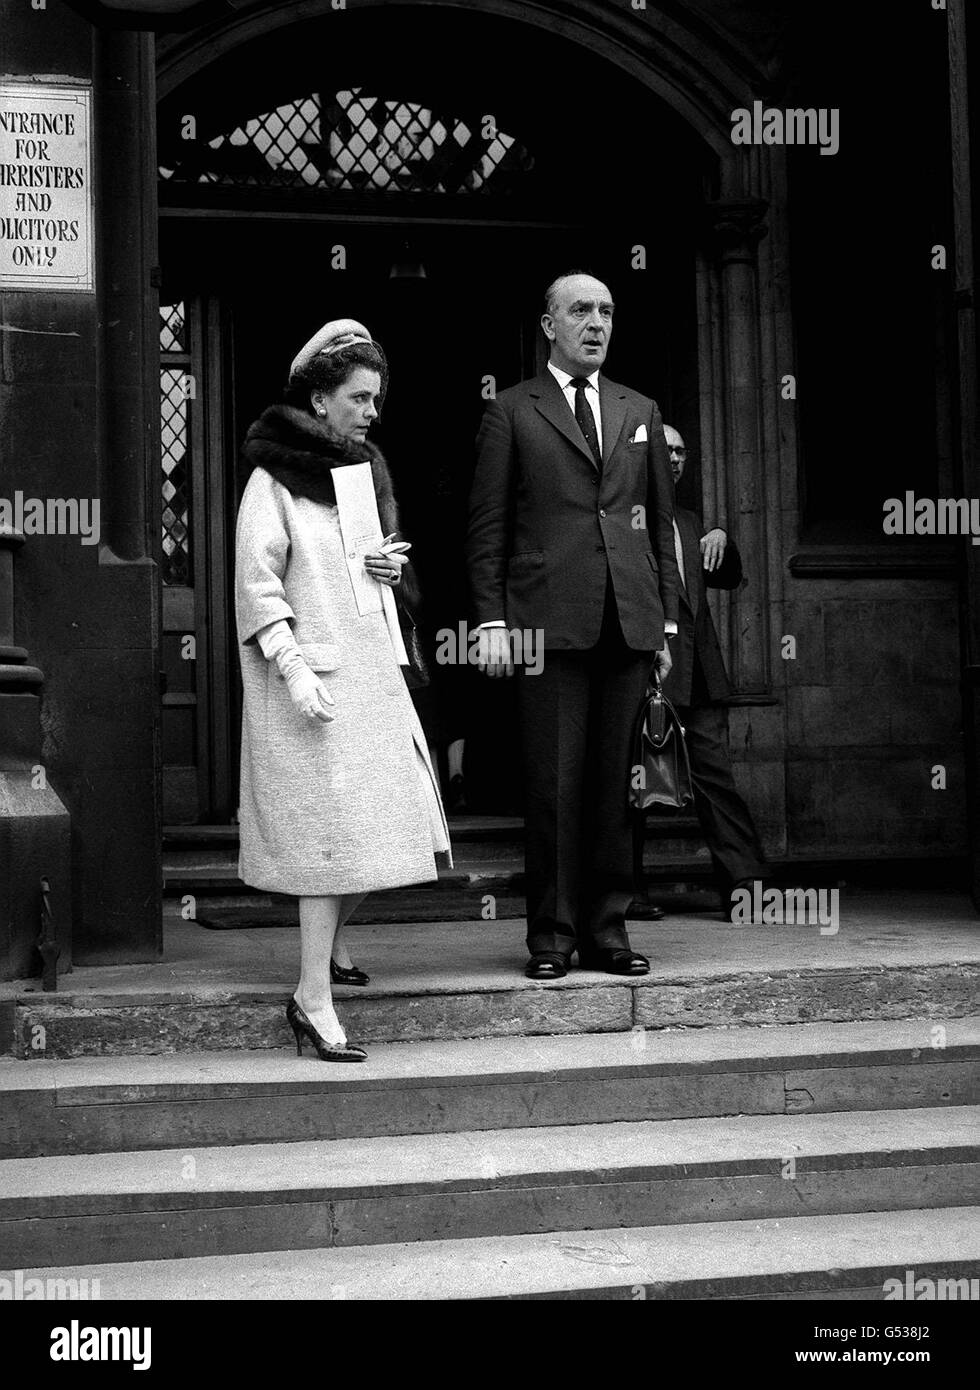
<point x="641" y="435"/>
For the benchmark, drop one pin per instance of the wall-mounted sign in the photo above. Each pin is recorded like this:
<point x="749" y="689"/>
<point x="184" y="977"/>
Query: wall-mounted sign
<point x="46" y="218"/>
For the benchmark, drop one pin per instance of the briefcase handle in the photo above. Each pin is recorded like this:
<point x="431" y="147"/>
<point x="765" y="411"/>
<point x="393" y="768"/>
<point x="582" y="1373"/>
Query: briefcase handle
<point x="657" y="712"/>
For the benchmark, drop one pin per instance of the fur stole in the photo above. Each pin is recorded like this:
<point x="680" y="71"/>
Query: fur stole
<point x="298" y="451"/>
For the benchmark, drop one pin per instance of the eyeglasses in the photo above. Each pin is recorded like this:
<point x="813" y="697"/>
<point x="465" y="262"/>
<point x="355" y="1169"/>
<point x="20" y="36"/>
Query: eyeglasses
<point x="681" y="453"/>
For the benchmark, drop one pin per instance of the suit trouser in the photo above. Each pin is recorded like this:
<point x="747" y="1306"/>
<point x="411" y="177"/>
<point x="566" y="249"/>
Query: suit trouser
<point x="725" y="818"/>
<point x="577" y="720"/>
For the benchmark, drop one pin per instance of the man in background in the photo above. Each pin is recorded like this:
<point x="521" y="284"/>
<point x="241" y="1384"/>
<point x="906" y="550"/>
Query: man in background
<point x="698" y="686"/>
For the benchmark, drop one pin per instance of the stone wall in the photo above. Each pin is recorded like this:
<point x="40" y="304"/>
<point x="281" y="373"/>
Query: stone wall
<point x="843" y="765"/>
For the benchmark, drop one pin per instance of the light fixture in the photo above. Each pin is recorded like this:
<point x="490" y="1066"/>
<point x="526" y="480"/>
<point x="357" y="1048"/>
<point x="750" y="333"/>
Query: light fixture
<point x="406" y="265"/>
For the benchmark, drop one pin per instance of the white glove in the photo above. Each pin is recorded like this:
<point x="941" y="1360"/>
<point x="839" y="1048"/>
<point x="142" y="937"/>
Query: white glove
<point x="306" y="690"/>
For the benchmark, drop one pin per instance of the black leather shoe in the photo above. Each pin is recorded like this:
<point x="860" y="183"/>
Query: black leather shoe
<point x="546" y="965"/>
<point x="342" y="975"/>
<point x="615" y="962"/>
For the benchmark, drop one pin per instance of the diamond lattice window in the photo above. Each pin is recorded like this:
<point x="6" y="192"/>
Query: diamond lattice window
<point x="175" y="447"/>
<point x="172" y="329"/>
<point x="355" y="142"/>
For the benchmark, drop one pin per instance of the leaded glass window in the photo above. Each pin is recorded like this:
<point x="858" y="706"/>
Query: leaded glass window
<point x="175" y="446"/>
<point x="356" y="142"/>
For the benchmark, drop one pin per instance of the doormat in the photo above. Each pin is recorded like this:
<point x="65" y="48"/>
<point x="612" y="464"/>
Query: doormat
<point x="399" y="906"/>
<point x="437" y="906"/>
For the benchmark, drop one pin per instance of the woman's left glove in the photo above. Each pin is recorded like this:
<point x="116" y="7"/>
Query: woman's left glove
<point x="306" y="690"/>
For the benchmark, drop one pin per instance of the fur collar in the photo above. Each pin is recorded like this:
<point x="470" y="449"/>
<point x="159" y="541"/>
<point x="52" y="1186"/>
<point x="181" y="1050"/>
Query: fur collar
<point x="296" y="449"/>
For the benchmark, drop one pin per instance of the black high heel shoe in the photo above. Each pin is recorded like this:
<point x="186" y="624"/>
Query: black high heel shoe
<point x="302" y="1027"/>
<point x="347" y="975"/>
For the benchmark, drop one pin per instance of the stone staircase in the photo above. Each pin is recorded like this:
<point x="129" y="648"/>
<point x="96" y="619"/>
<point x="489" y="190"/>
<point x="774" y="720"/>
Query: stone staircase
<point x="202" y="860"/>
<point x="809" y="1161"/>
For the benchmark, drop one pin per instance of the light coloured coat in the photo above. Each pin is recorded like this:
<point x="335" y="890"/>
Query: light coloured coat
<point x="326" y="808"/>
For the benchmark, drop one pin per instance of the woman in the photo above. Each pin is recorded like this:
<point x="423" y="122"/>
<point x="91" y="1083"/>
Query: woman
<point x="338" y="796"/>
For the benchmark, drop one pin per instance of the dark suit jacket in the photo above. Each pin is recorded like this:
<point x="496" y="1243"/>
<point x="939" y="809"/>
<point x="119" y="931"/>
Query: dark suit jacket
<point x="695" y="628"/>
<point x="546" y="525"/>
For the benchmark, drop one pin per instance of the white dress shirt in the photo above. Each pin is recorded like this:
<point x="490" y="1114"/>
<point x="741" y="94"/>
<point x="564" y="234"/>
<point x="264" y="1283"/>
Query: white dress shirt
<point x="679" y="552"/>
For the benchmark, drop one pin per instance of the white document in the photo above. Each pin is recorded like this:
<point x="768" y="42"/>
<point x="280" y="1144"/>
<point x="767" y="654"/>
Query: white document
<point x="360" y="530"/>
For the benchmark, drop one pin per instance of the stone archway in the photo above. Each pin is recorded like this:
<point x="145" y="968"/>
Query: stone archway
<point x="749" y="457"/>
<point x="749" y="470"/>
<point x="659" y="45"/>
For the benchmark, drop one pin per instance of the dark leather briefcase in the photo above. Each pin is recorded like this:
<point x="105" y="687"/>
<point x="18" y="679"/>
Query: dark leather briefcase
<point x="660" y="773"/>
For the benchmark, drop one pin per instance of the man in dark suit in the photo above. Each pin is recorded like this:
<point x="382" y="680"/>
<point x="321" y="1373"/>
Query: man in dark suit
<point x="698" y="685"/>
<point x="571" y="539"/>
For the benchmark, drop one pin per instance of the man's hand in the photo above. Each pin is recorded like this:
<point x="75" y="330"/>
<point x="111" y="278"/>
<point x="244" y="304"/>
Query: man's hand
<point x="713" y="548"/>
<point x="493" y="652"/>
<point x="662" y="662"/>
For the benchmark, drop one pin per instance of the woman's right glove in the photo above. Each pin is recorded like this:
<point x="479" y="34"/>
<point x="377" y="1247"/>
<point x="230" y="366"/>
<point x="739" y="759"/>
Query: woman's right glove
<point x="306" y="690"/>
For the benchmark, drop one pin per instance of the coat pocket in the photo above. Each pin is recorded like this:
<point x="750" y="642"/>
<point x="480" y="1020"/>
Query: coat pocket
<point x="320" y="656"/>
<point x="654" y="565"/>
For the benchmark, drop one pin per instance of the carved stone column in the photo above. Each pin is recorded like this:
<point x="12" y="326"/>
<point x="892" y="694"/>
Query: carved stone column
<point x="734" y="227"/>
<point x="35" y="840"/>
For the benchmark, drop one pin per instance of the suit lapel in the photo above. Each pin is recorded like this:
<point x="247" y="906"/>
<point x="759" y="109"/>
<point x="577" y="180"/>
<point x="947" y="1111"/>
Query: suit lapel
<point x="550" y="403"/>
<point x="612" y="408"/>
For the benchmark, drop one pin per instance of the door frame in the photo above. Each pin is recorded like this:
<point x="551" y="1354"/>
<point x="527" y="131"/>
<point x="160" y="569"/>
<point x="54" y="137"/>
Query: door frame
<point x="200" y="609"/>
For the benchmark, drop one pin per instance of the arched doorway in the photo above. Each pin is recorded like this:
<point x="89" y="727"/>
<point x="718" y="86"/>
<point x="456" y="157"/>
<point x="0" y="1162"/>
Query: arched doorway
<point x="311" y="172"/>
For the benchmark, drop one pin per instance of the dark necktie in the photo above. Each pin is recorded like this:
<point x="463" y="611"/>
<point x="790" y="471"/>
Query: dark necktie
<point x="585" y="419"/>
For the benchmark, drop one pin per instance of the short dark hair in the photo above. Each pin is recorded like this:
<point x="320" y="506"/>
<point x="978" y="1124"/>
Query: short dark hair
<point x="328" y="371"/>
<point x="552" y="290"/>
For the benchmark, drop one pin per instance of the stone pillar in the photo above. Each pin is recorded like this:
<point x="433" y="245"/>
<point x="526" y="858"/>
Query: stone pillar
<point x="35" y="829"/>
<point x="80" y="418"/>
<point x="735" y="227"/>
<point x="963" y="105"/>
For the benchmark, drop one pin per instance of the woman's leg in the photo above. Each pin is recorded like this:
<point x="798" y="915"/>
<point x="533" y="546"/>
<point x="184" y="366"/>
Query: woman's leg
<point x="318" y="921"/>
<point x="347" y="905"/>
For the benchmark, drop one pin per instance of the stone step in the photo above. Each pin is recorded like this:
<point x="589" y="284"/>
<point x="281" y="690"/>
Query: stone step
<point x="895" y="956"/>
<point x="216" y="871"/>
<point x="667" y="865"/>
<point x="464" y="829"/>
<point x="252" y="1017"/>
<point x="799" y="1257"/>
<point x="201" y="859"/>
<point x="465" y="901"/>
<point x="216" y="876"/>
<point x="89" y="1105"/>
<point x="167" y="1204"/>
